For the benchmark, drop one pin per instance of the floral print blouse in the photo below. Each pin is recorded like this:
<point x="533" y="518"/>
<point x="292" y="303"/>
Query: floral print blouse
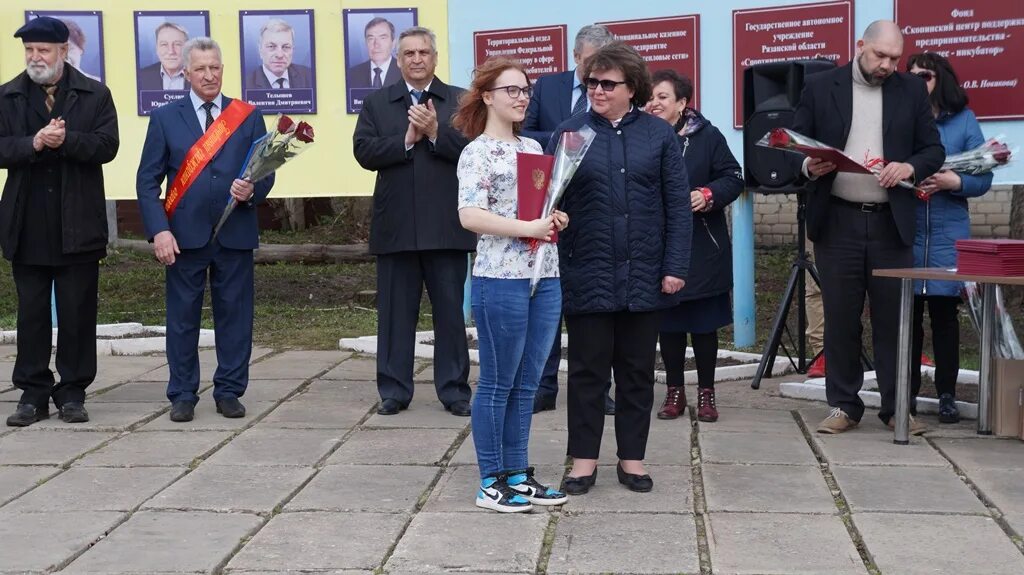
<point x="488" y="180"/>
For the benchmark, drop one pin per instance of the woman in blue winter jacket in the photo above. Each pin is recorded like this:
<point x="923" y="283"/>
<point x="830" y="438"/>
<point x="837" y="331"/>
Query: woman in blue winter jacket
<point x="716" y="180"/>
<point x="941" y="221"/>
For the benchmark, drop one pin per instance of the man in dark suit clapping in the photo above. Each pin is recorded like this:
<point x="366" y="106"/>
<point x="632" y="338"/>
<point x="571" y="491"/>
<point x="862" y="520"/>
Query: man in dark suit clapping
<point x="404" y="134"/>
<point x="182" y="232"/>
<point x="862" y="222"/>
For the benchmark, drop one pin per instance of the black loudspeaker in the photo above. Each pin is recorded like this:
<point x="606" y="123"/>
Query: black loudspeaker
<point x="770" y="95"/>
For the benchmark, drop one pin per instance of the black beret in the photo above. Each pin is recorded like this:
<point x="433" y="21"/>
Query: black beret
<point x="43" y="29"/>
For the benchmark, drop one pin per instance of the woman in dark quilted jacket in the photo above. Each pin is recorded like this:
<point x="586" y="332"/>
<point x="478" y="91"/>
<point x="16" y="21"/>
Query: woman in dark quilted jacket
<point x="716" y="180"/>
<point x="623" y="260"/>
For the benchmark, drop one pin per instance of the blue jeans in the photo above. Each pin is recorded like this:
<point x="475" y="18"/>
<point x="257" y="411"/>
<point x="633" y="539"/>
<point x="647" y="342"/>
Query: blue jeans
<point x="515" y="334"/>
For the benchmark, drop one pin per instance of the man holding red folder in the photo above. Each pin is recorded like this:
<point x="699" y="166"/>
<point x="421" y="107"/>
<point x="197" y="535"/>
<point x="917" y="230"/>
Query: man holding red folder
<point x="862" y="222"/>
<point x="198" y="145"/>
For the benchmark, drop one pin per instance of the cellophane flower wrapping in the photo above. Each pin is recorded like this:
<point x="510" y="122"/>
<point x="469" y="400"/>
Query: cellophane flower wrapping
<point x="569" y="153"/>
<point x="278" y="147"/>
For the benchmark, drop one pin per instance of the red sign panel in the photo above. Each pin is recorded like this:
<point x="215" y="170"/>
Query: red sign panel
<point x="541" y="50"/>
<point x="800" y="32"/>
<point x="666" y="43"/>
<point x="984" y="42"/>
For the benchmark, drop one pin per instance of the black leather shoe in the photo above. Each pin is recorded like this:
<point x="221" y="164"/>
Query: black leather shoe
<point x="638" y="483"/>
<point x="580" y="485"/>
<point x="609" y="405"/>
<point x="182" y="411"/>
<point x="460" y="408"/>
<point x="73" y="412"/>
<point x="390" y="407"/>
<point x="231" y="408"/>
<point x="27" y="414"/>
<point x="543" y="402"/>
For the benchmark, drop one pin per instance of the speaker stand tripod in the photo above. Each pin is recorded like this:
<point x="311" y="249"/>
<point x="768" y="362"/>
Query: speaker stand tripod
<point x="795" y="288"/>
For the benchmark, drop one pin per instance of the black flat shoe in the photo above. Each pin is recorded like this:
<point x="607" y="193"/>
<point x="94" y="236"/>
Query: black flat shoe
<point x="25" y="415"/>
<point x="460" y="408"/>
<point x="231" y="408"/>
<point x="545" y="402"/>
<point x="389" y="407"/>
<point x="633" y="482"/>
<point x="182" y="411"/>
<point x="73" y="412"/>
<point x="580" y="485"/>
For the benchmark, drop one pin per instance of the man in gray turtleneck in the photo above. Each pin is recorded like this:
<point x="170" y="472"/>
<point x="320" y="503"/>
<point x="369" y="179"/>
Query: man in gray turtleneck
<point x="860" y="222"/>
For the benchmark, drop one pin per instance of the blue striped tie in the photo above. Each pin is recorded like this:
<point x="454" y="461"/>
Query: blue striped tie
<point x="581" y="103"/>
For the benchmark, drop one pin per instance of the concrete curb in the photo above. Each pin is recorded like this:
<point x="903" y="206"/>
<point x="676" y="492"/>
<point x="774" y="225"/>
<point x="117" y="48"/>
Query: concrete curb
<point x="124" y="345"/>
<point x="368" y="345"/>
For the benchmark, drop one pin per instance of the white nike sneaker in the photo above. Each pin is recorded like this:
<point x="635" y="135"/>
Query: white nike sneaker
<point x="495" y="494"/>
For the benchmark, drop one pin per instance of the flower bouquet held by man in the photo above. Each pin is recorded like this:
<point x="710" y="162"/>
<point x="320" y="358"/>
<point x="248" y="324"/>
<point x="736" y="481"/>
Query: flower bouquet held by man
<point x="287" y="140"/>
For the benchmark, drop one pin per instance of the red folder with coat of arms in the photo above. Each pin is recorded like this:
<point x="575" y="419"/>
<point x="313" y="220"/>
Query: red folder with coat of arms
<point x="534" y="174"/>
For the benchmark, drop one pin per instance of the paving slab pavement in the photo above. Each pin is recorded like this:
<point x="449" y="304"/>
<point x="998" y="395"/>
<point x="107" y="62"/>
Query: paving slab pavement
<point x="766" y="488"/>
<point x="319" y="483"/>
<point x="17" y="479"/>
<point x="594" y="543"/>
<point x="253" y="489"/>
<point x="178" y="541"/>
<point x="443" y="542"/>
<point x="906" y="489"/>
<point x="96" y="489"/>
<point x="41" y="542"/>
<point x="752" y="543"/>
<point x="318" y="540"/>
<point x="919" y="544"/>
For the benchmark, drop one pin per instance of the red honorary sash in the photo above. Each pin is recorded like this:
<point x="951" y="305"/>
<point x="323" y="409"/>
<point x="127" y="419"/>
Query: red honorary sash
<point x="204" y="150"/>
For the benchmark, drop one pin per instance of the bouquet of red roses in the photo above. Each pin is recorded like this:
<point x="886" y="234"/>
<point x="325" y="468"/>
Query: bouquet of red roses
<point x="279" y="146"/>
<point x="981" y="160"/>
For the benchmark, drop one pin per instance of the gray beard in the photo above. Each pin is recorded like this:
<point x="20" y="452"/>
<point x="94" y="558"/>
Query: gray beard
<point x="47" y="76"/>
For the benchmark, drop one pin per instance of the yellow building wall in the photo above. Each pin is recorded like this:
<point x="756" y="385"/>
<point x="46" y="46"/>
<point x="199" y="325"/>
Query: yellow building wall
<point x="326" y="169"/>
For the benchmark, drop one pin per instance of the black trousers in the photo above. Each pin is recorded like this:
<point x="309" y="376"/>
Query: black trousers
<point x="76" y="287"/>
<point x="945" y="324"/>
<point x="852" y="244"/>
<point x="400" y="280"/>
<point x="599" y="342"/>
<point x="705" y="355"/>
<point x="549" y="377"/>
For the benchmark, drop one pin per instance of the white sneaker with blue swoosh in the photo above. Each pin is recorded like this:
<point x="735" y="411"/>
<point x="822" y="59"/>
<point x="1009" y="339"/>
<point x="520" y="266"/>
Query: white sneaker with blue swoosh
<point x="495" y="494"/>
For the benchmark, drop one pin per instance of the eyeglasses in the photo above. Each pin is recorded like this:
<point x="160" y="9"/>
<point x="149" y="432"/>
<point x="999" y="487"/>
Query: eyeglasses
<point x="606" y="85"/>
<point x="514" y="91"/>
<point x="925" y="75"/>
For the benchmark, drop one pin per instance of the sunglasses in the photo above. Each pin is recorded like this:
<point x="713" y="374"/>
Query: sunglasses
<point x="925" y="75"/>
<point x="514" y="91"/>
<point x="606" y="85"/>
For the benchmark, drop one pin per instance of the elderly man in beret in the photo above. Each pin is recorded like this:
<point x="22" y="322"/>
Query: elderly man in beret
<point x="57" y="129"/>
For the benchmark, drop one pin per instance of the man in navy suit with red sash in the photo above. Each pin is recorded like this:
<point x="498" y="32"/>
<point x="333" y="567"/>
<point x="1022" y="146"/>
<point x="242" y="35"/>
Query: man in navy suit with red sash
<point x="199" y="145"/>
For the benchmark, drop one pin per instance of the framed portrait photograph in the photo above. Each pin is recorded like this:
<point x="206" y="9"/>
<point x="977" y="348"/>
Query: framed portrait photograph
<point x="85" y="39"/>
<point x="278" y="60"/>
<point x="371" y="42"/>
<point x="160" y="67"/>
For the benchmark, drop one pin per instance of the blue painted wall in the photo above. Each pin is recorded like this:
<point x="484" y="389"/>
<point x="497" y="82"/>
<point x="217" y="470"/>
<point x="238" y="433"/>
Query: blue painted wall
<point x="467" y="16"/>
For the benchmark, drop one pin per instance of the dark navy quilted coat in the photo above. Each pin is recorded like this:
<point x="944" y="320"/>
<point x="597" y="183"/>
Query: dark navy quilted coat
<point x="629" y="217"/>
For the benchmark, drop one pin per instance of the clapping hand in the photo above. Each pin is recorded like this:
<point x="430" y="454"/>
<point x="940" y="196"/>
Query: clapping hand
<point x="424" y="118"/>
<point x="50" y="136"/>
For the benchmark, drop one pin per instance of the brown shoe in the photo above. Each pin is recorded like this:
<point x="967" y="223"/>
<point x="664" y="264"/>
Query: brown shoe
<point x="916" y="427"/>
<point x="675" y="403"/>
<point x="707" y="411"/>
<point x="836" y="422"/>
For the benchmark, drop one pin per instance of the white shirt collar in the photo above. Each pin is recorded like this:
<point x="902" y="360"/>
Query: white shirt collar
<point x="383" y="68"/>
<point x="273" y="78"/>
<point x="164" y="74"/>
<point x="197" y="102"/>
